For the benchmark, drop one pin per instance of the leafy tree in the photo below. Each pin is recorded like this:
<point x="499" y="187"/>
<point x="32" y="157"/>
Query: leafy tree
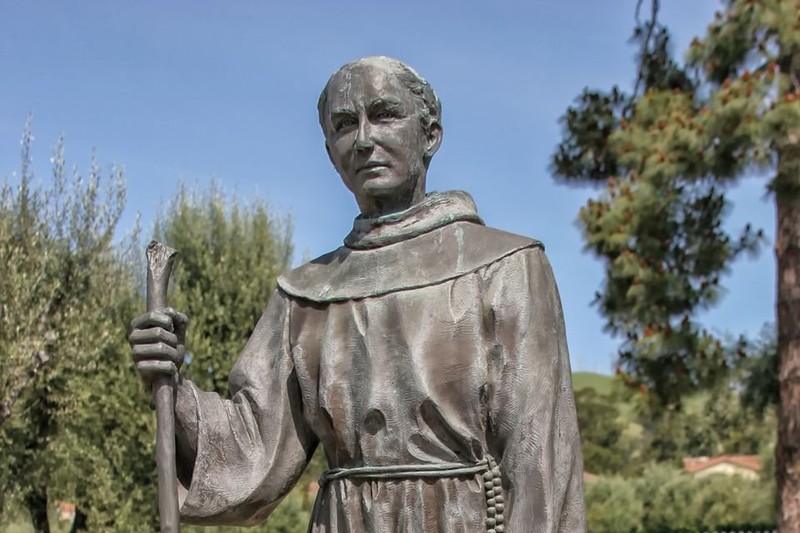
<point x="666" y="155"/>
<point x="231" y="254"/>
<point x="720" y="501"/>
<point x="601" y="432"/>
<point x="71" y="425"/>
<point x="665" y="500"/>
<point x="675" y="501"/>
<point x="613" y="506"/>
<point x="720" y="426"/>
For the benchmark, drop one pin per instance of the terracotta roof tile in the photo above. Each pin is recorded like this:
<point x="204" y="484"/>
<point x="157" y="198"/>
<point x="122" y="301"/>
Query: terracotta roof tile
<point x="696" y="464"/>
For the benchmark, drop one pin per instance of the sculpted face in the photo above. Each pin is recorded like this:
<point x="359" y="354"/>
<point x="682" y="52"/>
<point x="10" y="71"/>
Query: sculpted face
<point x="376" y="140"/>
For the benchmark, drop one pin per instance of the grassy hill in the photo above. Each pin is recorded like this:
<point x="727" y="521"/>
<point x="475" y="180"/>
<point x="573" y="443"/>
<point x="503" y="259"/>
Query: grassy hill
<point x="602" y="383"/>
<point x="605" y="384"/>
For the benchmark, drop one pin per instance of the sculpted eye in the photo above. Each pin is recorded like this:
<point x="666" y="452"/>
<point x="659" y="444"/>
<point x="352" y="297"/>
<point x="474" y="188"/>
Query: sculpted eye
<point x="386" y="114"/>
<point x="347" y="122"/>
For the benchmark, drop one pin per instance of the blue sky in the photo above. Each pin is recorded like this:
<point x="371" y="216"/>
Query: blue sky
<point x="202" y="90"/>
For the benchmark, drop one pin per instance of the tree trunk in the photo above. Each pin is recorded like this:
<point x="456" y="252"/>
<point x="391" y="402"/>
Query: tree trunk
<point x="36" y="492"/>
<point x="79" y="523"/>
<point x="787" y="453"/>
<point x="787" y="252"/>
<point x="36" y="502"/>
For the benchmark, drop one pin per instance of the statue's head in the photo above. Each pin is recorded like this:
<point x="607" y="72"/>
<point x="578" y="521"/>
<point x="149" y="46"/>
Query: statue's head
<point x="382" y="125"/>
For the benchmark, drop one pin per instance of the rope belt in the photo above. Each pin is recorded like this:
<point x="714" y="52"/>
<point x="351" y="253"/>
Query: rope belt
<point x="492" y="481"/>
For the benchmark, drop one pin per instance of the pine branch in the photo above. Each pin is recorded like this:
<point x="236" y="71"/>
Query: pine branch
<point x="650" y="27"/>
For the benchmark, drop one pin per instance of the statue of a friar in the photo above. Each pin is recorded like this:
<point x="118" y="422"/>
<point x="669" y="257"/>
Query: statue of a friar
<point x="427" y="355"/>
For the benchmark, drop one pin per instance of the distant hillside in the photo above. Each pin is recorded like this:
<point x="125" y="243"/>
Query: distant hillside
<point x="604" y="384"/>
<point x="592" y="380"/>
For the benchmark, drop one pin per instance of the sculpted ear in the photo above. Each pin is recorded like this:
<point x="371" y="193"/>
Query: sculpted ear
<point x="434" y="140"/>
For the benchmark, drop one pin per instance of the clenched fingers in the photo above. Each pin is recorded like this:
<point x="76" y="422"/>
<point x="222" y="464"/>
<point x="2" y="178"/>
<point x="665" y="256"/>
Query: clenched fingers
<point x="158" y="351"/>
<point x="167" y="318"/>
<point x="153" y="336"/>
<point x="150" y="369"/>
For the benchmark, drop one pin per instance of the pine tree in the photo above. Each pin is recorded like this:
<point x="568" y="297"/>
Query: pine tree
<point x="666" y="153"/>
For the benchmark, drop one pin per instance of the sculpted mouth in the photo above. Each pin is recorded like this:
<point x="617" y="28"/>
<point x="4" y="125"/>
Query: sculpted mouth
<point x="372" y="165"/>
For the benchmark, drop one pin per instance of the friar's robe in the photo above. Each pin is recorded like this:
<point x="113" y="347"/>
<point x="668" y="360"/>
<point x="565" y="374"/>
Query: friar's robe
<point x="427" y="339"/>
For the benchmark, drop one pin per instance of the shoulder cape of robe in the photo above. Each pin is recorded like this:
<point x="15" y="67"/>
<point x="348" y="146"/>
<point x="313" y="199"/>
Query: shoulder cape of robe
<point x="427" y="340"/>
<point x="442" y="239"/>
<point x="435" y="257"/>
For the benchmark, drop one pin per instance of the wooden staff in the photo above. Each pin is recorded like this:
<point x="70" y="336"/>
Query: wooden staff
<point x="159" y="267"/>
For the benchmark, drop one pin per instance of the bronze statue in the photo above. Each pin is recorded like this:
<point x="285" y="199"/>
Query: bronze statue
<point x="427" y="355"/>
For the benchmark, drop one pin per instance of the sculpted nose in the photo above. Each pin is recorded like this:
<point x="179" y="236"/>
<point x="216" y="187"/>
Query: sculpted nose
<point x="363" y="140"/>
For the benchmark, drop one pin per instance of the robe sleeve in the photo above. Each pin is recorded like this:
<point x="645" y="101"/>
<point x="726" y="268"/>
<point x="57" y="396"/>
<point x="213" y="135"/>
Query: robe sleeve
<point x="532" y="409"/>
<point x="239" y="457"/>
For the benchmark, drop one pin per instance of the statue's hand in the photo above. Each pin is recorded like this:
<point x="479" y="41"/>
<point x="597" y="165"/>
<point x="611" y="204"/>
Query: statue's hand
<point x="157" y="343"/>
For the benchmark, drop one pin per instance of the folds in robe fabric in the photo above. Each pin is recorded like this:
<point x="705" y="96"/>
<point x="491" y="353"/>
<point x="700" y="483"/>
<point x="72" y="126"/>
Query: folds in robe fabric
<point x="427" y="339"/>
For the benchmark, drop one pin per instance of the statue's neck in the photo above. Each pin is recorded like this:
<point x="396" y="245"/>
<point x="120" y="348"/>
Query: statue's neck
<point x="379" y="207"/>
